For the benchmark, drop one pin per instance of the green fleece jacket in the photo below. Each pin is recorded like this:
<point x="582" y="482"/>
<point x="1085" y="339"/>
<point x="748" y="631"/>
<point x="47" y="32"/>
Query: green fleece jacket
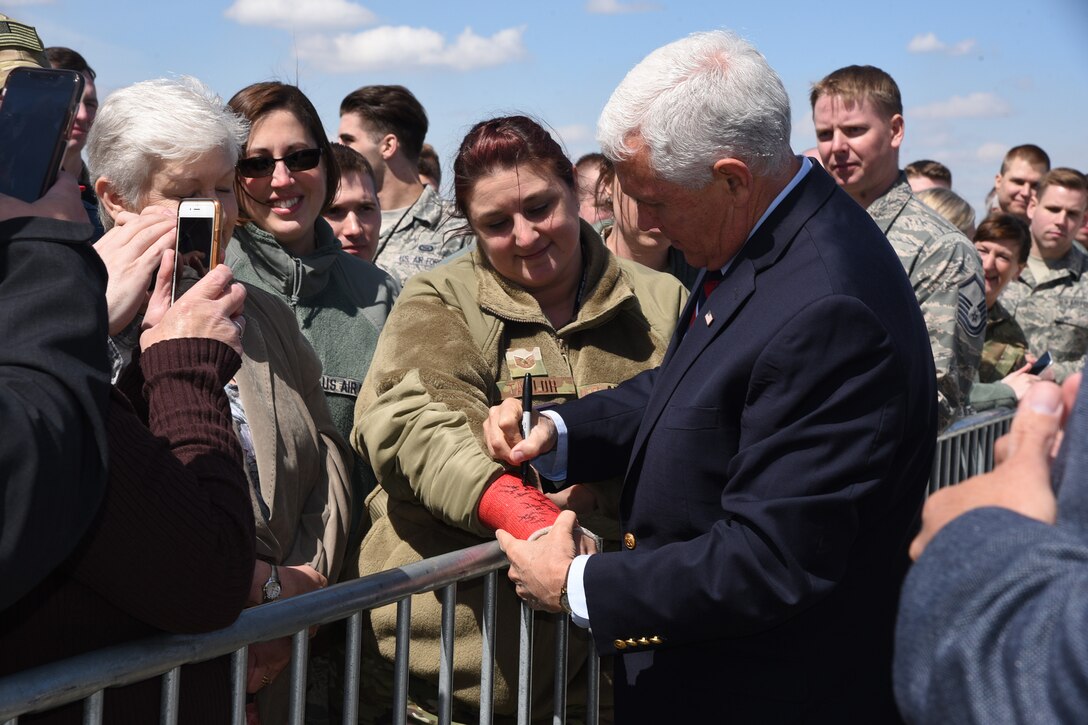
<point x="453" y="346"/>
<point x="340" y="302"/>
<point x="459" y="340"/>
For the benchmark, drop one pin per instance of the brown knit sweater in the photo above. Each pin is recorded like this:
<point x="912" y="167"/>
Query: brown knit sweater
<point x="172" y="548"/>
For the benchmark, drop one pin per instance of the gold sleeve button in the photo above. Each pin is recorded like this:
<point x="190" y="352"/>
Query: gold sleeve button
<point x="629" y="540"/>
<point x="619" y="644"/>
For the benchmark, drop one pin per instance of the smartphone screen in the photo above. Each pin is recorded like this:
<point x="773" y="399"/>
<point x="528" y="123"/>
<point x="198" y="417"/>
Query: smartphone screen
<point x="197" y="248"/>
<point x="36" y="116"/>
<point x="1041" y="364"/>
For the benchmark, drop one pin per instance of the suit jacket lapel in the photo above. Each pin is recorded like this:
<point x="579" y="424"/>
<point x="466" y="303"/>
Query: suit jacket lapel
<point x="688" y="344"/>
<point x="765" y="248"/>
<point x="685" y="316"/>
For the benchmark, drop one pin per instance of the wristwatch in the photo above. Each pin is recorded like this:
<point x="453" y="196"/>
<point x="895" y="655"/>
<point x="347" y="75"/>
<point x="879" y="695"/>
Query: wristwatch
<point x="271" y="589"/>
<point x="564" y="600"/>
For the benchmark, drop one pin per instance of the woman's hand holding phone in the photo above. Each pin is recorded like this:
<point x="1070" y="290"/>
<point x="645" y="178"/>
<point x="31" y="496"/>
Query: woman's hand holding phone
<point x="132" y="251"/>
<point x="211" y="309"/>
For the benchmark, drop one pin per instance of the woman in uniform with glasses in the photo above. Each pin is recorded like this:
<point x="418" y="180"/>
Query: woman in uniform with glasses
<point x="286" y="177"/>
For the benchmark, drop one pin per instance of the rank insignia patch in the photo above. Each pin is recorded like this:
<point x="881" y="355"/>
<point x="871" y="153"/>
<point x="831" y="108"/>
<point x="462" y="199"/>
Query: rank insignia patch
<point x="521" y="362"/>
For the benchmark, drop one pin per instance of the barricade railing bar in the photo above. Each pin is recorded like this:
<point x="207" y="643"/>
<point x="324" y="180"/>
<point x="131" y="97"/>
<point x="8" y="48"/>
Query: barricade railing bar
<point x="964" y="450"/>
<point x="86" y="677"/>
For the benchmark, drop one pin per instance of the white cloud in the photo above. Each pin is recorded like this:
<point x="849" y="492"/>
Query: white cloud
<point x="991" y="151"/>
<point x="973" y="105"/>
<point x="575" y="133"/>
<point x="406" y="47"/>
<point x="926" y="43"/>
<point x="963" y="47"/>
<point x="300" y="14"/>
<point x="985" y="154"/>
<point x="615" y="7"/>
<point x="930" y="43"/>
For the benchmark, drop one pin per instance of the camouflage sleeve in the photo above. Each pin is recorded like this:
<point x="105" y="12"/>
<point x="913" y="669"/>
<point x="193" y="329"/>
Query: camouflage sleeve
<point x="1063" y="370"/>
<point x="948" y="283"/>
<point x="1054" y="319"/>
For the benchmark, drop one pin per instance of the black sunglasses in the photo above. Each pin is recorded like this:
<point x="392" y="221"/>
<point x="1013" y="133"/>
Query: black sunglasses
<point x="256" y="167"/>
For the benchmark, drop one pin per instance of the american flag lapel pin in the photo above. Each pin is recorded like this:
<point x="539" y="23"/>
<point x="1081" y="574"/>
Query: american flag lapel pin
<point x="709" y="317"/>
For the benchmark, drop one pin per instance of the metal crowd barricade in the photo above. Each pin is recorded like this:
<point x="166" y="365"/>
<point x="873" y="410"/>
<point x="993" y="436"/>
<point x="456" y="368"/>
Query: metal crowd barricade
<point x="87" y="676"/>
<point x="966" y="448"/>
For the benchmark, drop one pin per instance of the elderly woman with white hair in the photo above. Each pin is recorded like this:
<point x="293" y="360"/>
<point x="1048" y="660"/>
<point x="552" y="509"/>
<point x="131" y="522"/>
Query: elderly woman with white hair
<point x="155" y="143"/>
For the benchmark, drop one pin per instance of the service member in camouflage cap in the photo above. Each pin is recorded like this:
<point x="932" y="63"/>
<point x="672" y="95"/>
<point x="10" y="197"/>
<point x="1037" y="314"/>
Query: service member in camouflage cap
<point x="1050" y="300"/>
<point x="19" y="46"/>
<point x="858" y="115"/>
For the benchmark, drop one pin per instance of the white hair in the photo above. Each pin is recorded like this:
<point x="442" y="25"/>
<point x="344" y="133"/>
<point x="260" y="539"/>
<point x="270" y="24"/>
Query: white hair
<point x="706" y="97"/>
<point x="165" y="119"/>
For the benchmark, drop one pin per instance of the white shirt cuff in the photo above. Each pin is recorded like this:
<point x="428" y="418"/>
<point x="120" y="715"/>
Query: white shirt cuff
<point x="576" y="591"/>
<point x="553" y="464"/>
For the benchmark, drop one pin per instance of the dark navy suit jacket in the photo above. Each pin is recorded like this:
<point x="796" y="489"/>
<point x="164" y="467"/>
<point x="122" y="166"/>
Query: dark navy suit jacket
<point x="775" y="465"/>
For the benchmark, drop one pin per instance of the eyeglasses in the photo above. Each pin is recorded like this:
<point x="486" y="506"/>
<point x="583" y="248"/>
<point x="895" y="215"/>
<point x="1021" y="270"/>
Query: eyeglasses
<point x="256" y="167"/>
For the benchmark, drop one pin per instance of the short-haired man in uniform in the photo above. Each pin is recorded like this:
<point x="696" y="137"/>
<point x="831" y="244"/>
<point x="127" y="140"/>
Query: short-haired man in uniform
<point x="858" y="114"/>
<point x="1021" y="170"/>
<point x="387" y="125"/>
<point x="1050" y="300"/>
<point x="928" y="174"/>
<point x="355" y="214"/>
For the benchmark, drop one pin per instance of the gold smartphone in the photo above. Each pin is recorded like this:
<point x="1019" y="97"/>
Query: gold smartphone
<point x="198" y="239"/>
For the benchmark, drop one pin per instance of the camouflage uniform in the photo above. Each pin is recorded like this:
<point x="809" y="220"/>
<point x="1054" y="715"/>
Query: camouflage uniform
<point x="1005" y="345"/>
<point x="1002" y="353"/>
<point x="424" y="235"/>
<point x="1054" y="313"/>
<point x="946" y="274"/>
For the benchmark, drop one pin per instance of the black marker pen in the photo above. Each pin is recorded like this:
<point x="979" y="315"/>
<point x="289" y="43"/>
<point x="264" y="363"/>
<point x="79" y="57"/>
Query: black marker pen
<point x="526" y="418"/>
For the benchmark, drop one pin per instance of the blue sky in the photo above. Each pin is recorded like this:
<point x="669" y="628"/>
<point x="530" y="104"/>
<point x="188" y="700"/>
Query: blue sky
<point x="976" y="77"/>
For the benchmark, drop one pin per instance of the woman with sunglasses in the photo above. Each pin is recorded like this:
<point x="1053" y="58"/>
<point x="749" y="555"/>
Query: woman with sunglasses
<point x="286" y="177"/>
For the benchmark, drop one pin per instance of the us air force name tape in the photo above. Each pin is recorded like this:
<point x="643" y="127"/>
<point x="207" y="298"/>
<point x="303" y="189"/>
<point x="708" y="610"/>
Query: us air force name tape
<point x="341" y="386"/>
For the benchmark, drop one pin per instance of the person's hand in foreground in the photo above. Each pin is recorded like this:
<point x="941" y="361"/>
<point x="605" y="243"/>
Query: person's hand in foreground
<point x="538" y="568"/>
<point x="502" y="432"/>
<point x="132" y="251"/>
<point x="1021" y="479"/>
<point x="212" y="309"/>
<point x="62" y="202"/>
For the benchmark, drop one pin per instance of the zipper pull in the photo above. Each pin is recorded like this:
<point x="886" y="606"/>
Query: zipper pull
<point x="298" y="281"/>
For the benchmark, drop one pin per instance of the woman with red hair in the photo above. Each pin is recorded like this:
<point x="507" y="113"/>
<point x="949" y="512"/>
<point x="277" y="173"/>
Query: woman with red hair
<point x="540" y="294"/>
